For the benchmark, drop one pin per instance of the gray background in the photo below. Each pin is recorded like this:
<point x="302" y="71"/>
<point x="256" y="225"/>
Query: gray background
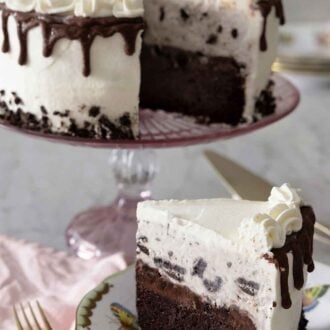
<point x="298" y="10"/>
<point x="43" y="185"/>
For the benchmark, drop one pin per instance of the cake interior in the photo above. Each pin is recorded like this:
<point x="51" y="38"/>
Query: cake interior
<point x="212" y="62"/>
<point x="166" y="306"/>
<point x="199" y="273"/>
<point x="191" y="84"/>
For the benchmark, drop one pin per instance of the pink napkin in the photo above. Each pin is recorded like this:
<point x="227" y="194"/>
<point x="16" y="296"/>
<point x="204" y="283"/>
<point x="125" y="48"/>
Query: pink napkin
<point x="30" y="272"/>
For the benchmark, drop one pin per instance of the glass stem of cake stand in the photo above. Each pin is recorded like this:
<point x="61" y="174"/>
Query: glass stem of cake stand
<point x="102" y="231"/>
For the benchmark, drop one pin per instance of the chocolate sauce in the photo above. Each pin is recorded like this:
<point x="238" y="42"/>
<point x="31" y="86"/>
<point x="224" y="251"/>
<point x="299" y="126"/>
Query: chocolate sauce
<point x="55" y="27"/>
<point x="266" y="7"/>
<point x="6" y="44"/>
<point x="300" y="245"/>
<point x="23" y="28"/>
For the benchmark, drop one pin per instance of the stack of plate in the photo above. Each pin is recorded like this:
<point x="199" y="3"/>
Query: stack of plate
<point x="304" y="47"/>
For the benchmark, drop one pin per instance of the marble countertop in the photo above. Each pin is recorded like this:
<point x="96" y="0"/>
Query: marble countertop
<point x="43" y="185"/>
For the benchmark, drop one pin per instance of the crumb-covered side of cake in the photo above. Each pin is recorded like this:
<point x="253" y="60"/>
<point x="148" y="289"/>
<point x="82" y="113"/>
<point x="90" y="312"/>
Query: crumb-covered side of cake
<point x="211" y="59"/>
<point x="71" y="66"/>
<point x="224" y="263"/>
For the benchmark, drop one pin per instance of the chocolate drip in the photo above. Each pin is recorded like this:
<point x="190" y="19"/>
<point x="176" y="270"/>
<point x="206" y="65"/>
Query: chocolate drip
<point x="86" y="44"/>
<point x="5" y="44"/>
<point x="129" y="34"/>
<point x="300" y="245"/>
<point x="266" y="7"/>
<point x="279" y="11"/>
<point x="23" y="27"/>
<point x="46" y="34"/>
<point x="282" y="263"/>
<point x="298" y="262"/>
<point x="55" y="27"/>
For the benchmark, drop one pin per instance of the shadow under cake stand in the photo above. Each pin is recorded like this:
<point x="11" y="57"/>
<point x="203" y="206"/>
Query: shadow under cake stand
<point x="109" y="229"/>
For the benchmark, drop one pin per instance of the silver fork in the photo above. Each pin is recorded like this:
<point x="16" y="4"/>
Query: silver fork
<point x="31" y="323"/>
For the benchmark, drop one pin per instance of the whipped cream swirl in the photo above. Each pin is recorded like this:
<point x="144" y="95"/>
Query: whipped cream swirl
<point x="269" y="230"/>
<point x="84" y="8"/>
<point x="285" y="194"/>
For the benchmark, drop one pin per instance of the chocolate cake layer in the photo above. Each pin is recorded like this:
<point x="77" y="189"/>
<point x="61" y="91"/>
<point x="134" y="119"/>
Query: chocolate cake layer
<point x="163" y="305"/>
<point x="211" y="89"/>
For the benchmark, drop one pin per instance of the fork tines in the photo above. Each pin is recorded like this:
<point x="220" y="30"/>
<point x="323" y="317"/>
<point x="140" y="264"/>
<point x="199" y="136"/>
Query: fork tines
<point x="33" y="319"/>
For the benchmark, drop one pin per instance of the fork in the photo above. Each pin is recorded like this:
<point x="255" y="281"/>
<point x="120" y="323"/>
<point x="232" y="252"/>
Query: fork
<point x="32" y="323"/>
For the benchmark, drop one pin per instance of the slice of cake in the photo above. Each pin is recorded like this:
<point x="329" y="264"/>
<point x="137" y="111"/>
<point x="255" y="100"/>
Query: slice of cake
<point x="210" y="59"/>
<point x="71" y="66"/>
<point x="224" y="264"/>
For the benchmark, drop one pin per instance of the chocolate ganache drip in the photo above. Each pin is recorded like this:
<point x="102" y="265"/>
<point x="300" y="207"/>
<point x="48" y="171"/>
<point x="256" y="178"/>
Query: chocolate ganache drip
<point x="300" y="245"/>
<point x="266" y="7"/>
<point x="55" y="27"/>
<point x="6" y="44"/>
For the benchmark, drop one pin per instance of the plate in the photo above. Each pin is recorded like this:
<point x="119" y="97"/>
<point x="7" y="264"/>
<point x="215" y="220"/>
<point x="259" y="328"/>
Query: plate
<point x="111" y="305"/>
<point x="159" y="129"/>
<point x="304" y="47"/>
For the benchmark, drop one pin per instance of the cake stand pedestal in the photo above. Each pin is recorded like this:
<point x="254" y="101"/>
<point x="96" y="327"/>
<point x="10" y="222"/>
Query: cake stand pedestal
<point x="106" y="230"/>
<point x="112" y="228"/>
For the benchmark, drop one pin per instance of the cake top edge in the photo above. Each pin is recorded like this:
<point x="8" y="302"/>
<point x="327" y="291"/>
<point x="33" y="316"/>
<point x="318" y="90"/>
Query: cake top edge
<point x="80" y="8"/>
<point x="130" y="8"/>
<point x="262" y="225"/>
<point x="285" y="193"/>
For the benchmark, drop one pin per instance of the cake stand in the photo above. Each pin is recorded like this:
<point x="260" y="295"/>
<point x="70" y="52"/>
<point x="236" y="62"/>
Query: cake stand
<point x="109" y="229"/>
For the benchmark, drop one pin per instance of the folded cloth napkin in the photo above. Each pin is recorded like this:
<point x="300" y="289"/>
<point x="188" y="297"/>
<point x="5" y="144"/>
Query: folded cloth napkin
<point x="30" y="272"/>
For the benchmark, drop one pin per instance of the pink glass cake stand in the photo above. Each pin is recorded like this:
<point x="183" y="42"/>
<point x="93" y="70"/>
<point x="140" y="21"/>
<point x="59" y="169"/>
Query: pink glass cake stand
<point x="109" y="229"/>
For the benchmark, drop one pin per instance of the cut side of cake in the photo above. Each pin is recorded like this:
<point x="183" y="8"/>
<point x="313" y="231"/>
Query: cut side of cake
<point x="224" y="264"/>
<point x="210" y="59"/>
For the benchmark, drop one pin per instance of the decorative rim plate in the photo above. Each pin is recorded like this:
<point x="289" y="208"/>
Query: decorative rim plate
<point x="159" y="129"/>
<point x="111" y="305"/>
<point x="304" y="47"/>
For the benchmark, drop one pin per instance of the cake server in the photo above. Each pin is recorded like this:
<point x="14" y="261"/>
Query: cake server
<point x="238" y="181"/>
<point x="244" y="184"/>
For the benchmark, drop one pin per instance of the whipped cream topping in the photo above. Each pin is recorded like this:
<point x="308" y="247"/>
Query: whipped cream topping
<point x="84" y="8"/>
<point x="285" y="194"/>
<point x="269" y="230"/>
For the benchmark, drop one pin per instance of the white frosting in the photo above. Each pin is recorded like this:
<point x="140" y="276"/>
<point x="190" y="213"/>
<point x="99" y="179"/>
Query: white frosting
<point x="192" y="35"/>
<point x="57" y="82"/>
<point x="182" y="232"/>
<point x="128" y="8"/>
<point x="262" y="232"/>
<point x="269" y="230"/>
<point x="21" y="5"/>
<point x="85" y="8"/>
<point x="289" y="218"/>
<point x="285" y="194"/>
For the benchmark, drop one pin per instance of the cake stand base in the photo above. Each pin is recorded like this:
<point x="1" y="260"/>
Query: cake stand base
<point x="106" y="230"/>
